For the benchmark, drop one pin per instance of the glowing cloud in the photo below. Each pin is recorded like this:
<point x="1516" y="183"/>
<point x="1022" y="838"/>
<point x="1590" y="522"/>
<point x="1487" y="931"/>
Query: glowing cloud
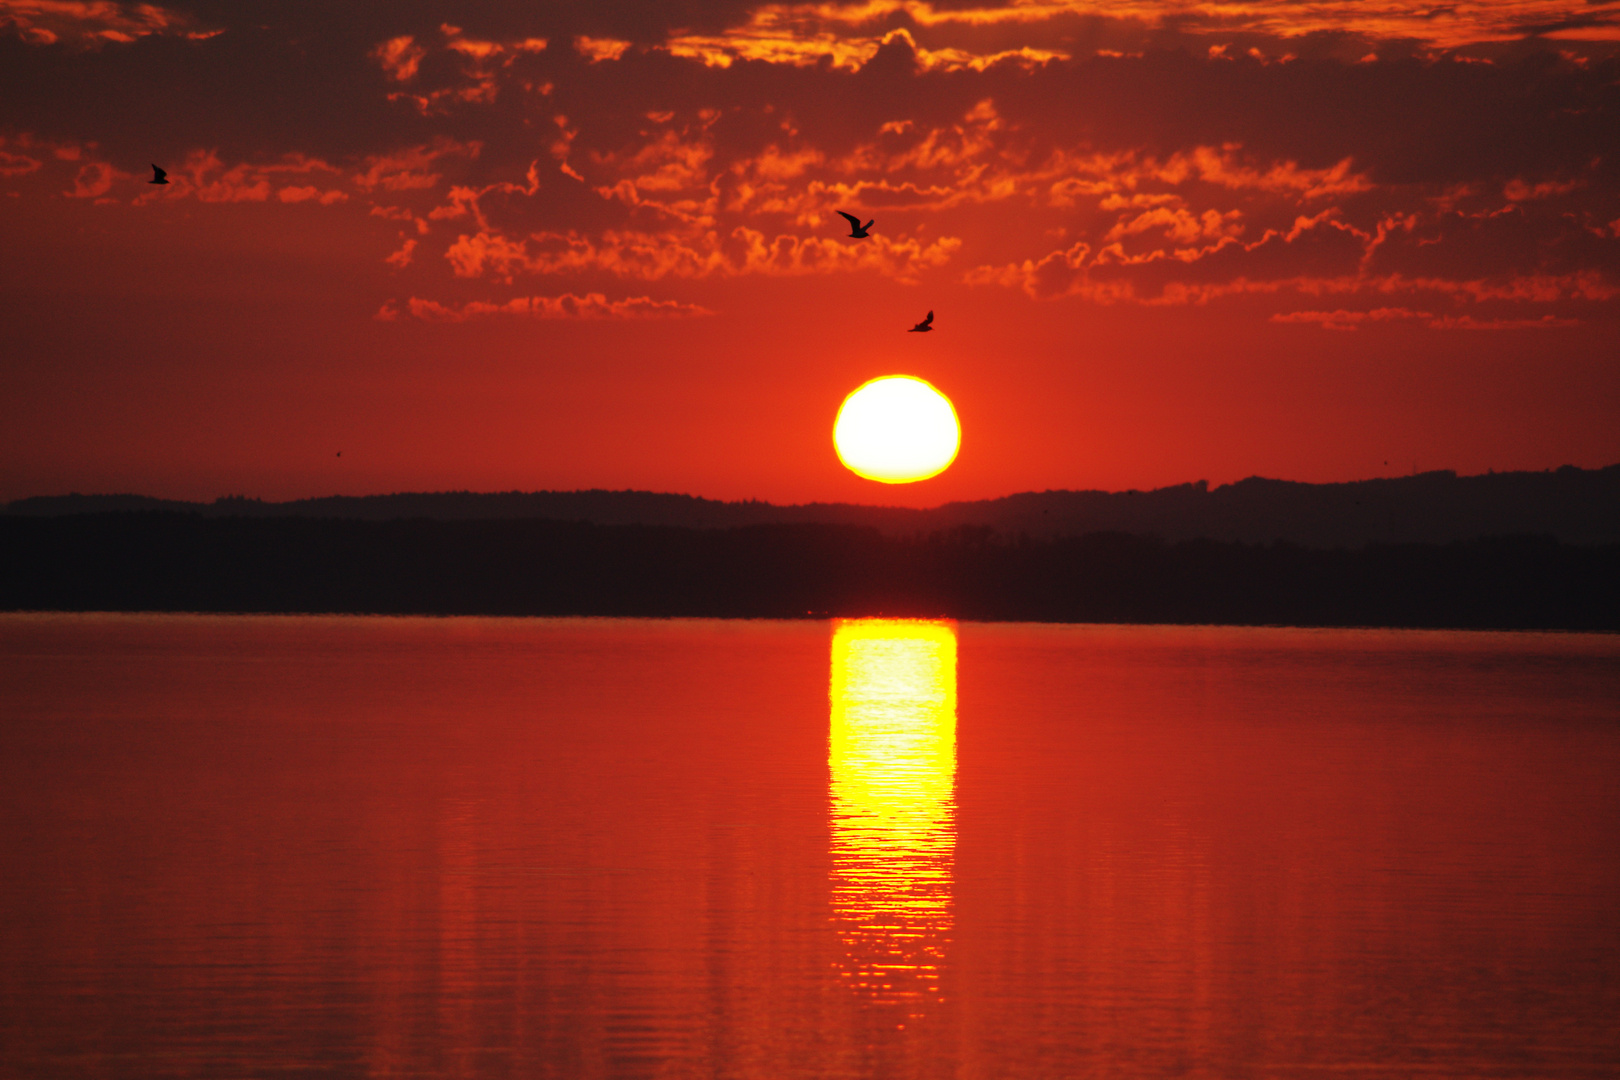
<point x="567" y="306"/>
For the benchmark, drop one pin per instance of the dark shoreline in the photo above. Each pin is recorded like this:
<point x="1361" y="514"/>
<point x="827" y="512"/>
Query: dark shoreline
<point x="182" y="562"/>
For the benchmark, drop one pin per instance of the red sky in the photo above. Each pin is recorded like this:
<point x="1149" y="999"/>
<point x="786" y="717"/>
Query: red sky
<point x="516" y="245"/>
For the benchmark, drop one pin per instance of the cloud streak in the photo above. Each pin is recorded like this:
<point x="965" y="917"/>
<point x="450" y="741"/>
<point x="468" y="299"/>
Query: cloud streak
<point x="591" y="306"/>
<point x="95" y="23"/>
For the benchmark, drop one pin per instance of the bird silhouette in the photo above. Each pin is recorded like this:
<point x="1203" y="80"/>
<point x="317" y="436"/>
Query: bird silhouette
<point x="857" y="231"/>
<point x="924" y="326"/>
<point x="159" y="176"/>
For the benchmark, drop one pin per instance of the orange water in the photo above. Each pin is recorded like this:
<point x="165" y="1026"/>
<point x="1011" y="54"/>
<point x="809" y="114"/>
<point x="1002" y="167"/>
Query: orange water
<point x="346" y="847"/>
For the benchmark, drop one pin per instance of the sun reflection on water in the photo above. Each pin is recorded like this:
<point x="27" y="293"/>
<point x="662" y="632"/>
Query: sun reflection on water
<point x="891" y="758"/>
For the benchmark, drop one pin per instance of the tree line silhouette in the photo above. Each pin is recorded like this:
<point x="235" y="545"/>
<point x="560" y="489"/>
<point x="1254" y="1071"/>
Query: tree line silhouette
<point x="165" y="561"/>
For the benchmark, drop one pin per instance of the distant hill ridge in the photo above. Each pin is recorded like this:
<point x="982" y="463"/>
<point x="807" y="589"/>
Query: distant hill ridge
<point x="1577" y="506"/>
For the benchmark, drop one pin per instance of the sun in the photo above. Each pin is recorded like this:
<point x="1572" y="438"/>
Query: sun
<point x="896" y="430"/>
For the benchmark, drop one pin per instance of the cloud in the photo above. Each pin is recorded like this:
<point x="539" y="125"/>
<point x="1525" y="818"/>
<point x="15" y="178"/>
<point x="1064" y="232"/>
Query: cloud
<point x="1519" y="190"/>
<point x="1180" y="226"/>
<point x="94" y="23"/>
<point x="310" y="192"/>
<point x="1332" y="253"/>
<point x="94" y="179"/>
<point x="651" y="256"/>
<point x="203" y="175"/>
<point x="238" y="184"/>
<point x="400" y="259"/>
<point x="668" y="162"/>
<point x="597" y="50"/>
<point x="767" y="39"/>
<point x="1130" y="179"/>
<point x="399" y="57"/>
<point x="1468" y="322"/>
<point x="411" y="168"/>
<point x="591" y="306"/>
<point x="472" y="74"/>
<point x="1177" y="252"/>
<point x="1342" y="319"/>
<point x="17" y="164"/>
<point x="848" y="34"/>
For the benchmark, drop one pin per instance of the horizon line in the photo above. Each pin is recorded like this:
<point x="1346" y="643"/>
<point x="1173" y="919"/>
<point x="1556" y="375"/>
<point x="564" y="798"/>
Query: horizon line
<point x="1204" y="485"/>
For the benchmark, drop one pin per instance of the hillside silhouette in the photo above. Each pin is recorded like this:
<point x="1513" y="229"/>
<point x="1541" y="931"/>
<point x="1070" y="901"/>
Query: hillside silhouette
<point x="1570" y="505"/>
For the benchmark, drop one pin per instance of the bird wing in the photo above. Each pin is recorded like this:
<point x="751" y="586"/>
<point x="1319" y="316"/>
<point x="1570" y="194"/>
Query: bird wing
<point x="158" y="173"/>
<point x="869" y="224"/>
<point x="928" y="321"/>
<point x="854" y="222"/>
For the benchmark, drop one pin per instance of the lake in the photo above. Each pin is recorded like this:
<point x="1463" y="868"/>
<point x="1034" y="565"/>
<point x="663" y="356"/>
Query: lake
<point x="378" y="847"/>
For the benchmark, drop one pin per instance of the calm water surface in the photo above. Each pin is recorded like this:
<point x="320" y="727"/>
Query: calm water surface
<point x="345" y="847"/>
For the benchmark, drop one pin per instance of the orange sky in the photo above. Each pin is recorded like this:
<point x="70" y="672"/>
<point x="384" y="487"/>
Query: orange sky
<point x="514" y="245"/>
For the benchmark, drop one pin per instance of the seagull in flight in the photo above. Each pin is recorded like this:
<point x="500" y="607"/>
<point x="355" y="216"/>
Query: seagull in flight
<point x="924" y="326"/>
<point x="857" y="231"/>
<point x="159" y="176"/>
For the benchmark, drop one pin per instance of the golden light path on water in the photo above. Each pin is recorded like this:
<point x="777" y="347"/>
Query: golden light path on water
<point x="891" y="759"/>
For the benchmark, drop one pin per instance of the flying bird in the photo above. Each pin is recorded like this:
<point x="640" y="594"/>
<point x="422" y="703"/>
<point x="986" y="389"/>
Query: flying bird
<point x="857" y="231"/>
<point x="159" y="176"/>
<point x="924" y="326"/>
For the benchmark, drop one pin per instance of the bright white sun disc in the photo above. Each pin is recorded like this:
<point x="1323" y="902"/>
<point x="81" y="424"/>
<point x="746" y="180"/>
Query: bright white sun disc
<point x="897" y="429"/>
